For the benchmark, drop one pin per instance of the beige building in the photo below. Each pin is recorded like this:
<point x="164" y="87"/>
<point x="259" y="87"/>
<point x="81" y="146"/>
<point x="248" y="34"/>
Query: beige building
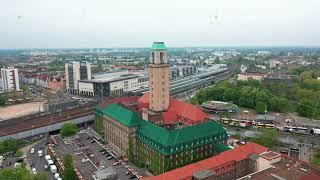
<point x="159" y="78"/>
<point x="247" y="76"/>
<point x="118" y="135"/>
<point x="74" y="72"/>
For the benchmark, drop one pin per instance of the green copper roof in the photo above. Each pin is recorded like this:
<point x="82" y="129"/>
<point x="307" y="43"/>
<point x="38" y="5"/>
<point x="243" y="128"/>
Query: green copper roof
<point x="164" y="140"/>
<point x="120" y="114"/>
<point x="221" y="147"/>
<point x="158" y="46"/>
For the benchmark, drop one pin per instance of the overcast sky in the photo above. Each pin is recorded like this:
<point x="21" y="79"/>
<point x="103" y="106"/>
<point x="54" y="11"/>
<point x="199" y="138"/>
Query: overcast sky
<point x="137" y="23"/>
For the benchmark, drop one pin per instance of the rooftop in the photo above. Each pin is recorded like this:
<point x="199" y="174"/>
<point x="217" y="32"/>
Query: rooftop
<point x="158" y="46"/>
<point x="286" y="169"/>
<point x="111" y="78"/>
<point x="162" y="137"/>
<point x="178" y="136"/>
<point x="177" y="111"/>
<point x="236" y="154"/>
<point x="121" y="114"/>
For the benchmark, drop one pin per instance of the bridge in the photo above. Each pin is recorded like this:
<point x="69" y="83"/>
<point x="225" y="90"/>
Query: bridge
<point x="37" y="124"/>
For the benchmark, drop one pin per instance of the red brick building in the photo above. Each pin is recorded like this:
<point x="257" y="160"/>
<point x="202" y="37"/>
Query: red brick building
<point x="231" y="164"/>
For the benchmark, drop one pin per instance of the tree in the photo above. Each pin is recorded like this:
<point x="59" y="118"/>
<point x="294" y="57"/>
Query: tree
<point x="19" y="153"/>
<point x="260" y="107"/>
<point x="2" y="100"/>
<point x="68" y="129"/>
<point x="40" y="176"/>
<point x="15" y="173"/>
<point x="68" y="172"/>
<point x="268" y="138"/>
<point x="11" y="145"/>
<point x="237" y="135"/>
<point x="21" y="174"/>
<point x="316" y="156"/>
<point x="306" y="108"/>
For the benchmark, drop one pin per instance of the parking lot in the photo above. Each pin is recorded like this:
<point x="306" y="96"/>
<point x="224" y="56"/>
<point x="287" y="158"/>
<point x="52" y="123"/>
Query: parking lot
<point x="37" y="162"/>
<point x="89" y="156"/>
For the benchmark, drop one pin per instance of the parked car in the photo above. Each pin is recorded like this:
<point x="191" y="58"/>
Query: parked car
<point x="32" y="150"/>
<point x="115" y="164"/>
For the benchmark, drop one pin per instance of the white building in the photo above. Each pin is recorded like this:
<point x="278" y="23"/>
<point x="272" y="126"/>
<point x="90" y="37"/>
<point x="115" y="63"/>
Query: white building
<point x="247" y="76"/>
<point x="112" y="86"/>
<point x="76" y="71"/>
<point x="10" y="79"/>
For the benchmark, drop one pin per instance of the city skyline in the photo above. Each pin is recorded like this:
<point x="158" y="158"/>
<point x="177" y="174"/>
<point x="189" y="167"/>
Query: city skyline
<point x="79" y="24"/>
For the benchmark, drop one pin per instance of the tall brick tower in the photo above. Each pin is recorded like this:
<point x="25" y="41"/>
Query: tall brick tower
<point x="159" y="82"/>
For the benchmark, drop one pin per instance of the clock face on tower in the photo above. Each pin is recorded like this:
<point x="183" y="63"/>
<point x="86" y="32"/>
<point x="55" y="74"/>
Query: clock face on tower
<point x="158" y="78"/>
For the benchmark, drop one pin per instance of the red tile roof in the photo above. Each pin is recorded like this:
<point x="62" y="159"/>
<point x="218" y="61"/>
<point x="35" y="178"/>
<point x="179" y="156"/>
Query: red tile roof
<point x="310" y="176"/>
<point x="177" y="111"/>
<point x="188" y="111"/>
<point x="125" y="100"/>
<point x="227" y="157"/>
<point x="169" y="118"/>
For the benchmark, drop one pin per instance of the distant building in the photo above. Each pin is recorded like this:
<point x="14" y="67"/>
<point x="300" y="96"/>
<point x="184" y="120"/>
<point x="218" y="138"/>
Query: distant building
<point x="243" y="68"/>
<point x="278" y="77"/>
<point x="274" y="64"/>
<point x="112" y="86"/>
<point x="247" y="76"/>
<point x="10" y="79"/>
<point x="76" y="71"/>
<point x="181" y="71"/>
<point x="43" y="80"/>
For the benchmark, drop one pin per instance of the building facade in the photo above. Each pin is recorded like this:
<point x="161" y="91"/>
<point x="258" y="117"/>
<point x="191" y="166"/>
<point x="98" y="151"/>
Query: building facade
<point x="228" y="165"/>
<point x="181" y="71"/>
<point x="112" y="87"/>
<point x="74" y="72"/>
<point x="43" y="80"/>
<point x="156" y="131"/>
<point x="154" y="147"/>
<point x="247" y="76"/>
<point x="159" y="78"/>
<point x="10" y="79"/>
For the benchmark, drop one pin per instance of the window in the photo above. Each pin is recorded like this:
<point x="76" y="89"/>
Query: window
<point x="152" y="57"/>
<point x="161" y="58"/>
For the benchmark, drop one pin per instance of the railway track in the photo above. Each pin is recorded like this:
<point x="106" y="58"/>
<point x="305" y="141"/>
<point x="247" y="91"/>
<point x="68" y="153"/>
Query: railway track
<point x="28" y="124"/>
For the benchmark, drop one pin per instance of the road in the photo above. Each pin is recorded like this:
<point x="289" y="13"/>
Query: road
<point x="284" y="137"/>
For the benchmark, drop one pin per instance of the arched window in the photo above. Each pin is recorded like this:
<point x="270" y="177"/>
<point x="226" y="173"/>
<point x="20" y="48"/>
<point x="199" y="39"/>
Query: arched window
<point x="161" y="58"/>
<point x="152" y="57"/>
